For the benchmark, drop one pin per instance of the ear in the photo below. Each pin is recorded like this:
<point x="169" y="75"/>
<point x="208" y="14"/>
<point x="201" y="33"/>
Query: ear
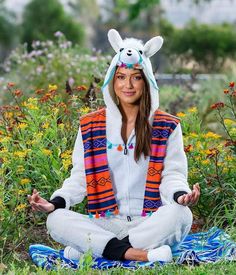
<point x="115" y="39"/>
<point x="153" y="45"/>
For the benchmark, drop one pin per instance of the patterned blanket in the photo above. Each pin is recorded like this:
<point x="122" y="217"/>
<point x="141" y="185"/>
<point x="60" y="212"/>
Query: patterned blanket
<point x="204" y="247"/>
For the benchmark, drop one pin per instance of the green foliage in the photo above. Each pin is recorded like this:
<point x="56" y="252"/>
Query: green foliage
<point x="42" y="18"/>
<point x="7" y="28"/>
<point x="212" y="161"/>
<point x="36" y="140"/>
<point x="49" y="63"/>
<point x="208" y="45"/>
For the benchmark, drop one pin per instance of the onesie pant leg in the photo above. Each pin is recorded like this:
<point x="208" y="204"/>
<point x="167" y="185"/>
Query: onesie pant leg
<point x="167" y="226"/>
<point x="78" y="231"/>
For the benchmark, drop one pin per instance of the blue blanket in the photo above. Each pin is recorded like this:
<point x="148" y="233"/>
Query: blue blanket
<point x="204" y="247"/>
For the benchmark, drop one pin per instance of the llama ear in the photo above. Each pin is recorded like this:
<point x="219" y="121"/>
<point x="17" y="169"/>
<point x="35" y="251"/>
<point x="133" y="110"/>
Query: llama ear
<point x="153" y="45"/>
<point x="115" y="39"/>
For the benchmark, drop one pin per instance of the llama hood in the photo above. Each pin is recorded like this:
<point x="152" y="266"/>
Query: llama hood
<point x="131" y="53"/>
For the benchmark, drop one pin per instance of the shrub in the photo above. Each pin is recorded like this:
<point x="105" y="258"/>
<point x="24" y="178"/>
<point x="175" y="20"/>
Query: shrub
<point x="42" y="18"/>
<point x="52" y="62"/>
<point x="212" y="160"/>
<point x="208" y="46"/>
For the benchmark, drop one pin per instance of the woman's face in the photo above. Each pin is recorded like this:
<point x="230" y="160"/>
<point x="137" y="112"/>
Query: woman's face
<point x="128" y="85"/>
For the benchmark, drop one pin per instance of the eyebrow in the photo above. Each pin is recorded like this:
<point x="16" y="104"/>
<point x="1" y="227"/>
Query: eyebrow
<point x="131" y="74"/>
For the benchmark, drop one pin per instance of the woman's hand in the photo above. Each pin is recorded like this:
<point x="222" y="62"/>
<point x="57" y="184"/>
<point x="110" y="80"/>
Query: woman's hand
<point x="39" y="204"/>
<point x="192" y="198"/>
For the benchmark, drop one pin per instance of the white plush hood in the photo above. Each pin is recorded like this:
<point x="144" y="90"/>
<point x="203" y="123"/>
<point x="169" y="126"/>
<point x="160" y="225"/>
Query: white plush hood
<point x="131" y="53"/>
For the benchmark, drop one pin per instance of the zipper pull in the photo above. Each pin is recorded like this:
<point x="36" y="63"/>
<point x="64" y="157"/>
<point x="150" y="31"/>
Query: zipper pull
<point x="125" y="150"/>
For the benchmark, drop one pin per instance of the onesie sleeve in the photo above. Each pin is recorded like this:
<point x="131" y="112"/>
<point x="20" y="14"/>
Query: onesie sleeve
<point x="175" y="172"/>
<point x="73" y="189"/>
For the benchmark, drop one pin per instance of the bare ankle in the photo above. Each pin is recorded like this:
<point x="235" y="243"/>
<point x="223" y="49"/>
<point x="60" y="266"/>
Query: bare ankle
<point x="134" y="254"/>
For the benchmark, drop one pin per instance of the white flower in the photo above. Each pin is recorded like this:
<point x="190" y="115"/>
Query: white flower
<point x="58" y="34"/>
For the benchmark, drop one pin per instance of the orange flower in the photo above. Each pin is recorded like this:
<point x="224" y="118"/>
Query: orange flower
<point x="39" y="91"/>
<point x="18" y="93"/>
<point x="10" y="84"/>
<point x="231" y="84"/>
<point x="218" y="105"/>
<point x="226" y="91"/>
<point x="188" y="148"/>
<point x="81" y="88"/>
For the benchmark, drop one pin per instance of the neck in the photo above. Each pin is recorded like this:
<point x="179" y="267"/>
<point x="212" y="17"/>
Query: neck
<point x="129" y="112"/>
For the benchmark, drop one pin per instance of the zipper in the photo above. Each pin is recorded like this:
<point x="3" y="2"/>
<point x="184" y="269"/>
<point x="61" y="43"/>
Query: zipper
<point x="125" y="150"/>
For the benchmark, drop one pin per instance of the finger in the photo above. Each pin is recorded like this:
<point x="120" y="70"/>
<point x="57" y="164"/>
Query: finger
<point x="35" y="206"/>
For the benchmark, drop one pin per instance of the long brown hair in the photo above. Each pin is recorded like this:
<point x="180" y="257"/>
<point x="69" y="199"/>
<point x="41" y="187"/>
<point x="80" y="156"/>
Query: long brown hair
<point x="143" y="129"/>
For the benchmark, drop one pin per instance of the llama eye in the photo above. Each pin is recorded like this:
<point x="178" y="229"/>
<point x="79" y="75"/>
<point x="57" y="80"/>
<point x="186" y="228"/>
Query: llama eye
<point x="121" y="49"/>
<point x="141" y="52"/>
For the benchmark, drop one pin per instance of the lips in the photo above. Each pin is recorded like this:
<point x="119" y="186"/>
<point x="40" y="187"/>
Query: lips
<point x="129" y="93"/>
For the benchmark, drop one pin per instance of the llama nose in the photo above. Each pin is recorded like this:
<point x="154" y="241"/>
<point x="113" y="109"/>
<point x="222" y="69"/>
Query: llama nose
<point x="129" y="51"/>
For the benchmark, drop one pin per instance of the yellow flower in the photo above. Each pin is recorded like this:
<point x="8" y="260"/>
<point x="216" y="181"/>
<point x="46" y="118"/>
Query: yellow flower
<point x="192" y="110"/>
<point x="21" y="207"/>
<point x="232" y="132"/>
<point x="20" y="169"/>
<point x="225" y="170"/>
<point x="84" y="110"/>
<point x="47" y="152"/>
<point x="61" y="126"/>
<point x="8" y="115"/>
<point x="52" y="87"/>
<point x="229" y="122"/>
<point x="45" y="125"/>
<point x="25" y="181"/>
<point x="193" y="135"/>
<point x="212" y="135"/>
<point x="5" y="139"/>
<point x="20" y="154"/>
<point x="181" y="114"/>
<point x="22" y="191"/>
<point x="66" y="154"/>
<point x="22" y="125"/>
<point x="66" y="163"/>
<point x="32" y="107"/>
<point x="33" y="100"/>
<point x="205" y="161"/>
<point x="198" y="145"/>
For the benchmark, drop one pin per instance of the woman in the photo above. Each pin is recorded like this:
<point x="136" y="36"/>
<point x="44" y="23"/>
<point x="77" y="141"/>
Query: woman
<point x="129" y="161"/>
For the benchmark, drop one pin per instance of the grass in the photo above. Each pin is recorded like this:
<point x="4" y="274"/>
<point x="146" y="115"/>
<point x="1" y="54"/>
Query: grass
<point x="170" y="269"/>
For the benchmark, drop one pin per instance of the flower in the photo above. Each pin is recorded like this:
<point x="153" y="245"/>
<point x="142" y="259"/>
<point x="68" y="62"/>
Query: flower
<point x="39" y="91"/>
<point x="25" y="181"/>
<point x="193" y="135"/>
<point x="20" y="169"/>
<point x="188" y="148"/>
<point x="205" y="161"/>
<point x="212" y="135"/>
<point x="81" y="88"/>
<point x="21" y="206"/>
<point x="11" y="84"/>
<point x="45" y="125"/>
<point x="218" y="105"/>
<point x="229" y="122"/>
<point x="226" y="91"/>
<point x="181" y="114"/>
<point x="52" y="87"/>
<point x="231" y="84"/>
<point x="192" y="110"/>
<point x="47" y="152"/>
<point x="22" y="125"/>
<point x="18" y="93"/>
<point x="20" y="154"/>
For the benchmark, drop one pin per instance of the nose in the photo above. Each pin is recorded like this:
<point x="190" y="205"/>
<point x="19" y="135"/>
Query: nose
<point x="128" y="83"/>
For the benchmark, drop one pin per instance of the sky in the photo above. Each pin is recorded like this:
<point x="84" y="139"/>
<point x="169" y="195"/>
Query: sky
<point x="177" y="12"/>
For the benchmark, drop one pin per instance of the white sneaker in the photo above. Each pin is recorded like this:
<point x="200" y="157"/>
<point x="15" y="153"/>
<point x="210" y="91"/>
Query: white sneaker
<point x="162" y="253"/>
<point x="71" y="253"/>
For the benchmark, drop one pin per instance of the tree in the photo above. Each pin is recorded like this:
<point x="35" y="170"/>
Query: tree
<point x="7" y="30"/>
<point x="42" y="18"/>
